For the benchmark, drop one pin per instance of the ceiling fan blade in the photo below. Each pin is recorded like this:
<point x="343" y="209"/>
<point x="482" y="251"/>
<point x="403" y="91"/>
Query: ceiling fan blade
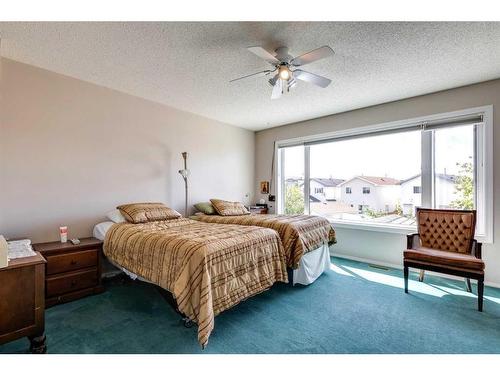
<point x="277" y="89"/>
<point x="258" y="74"/>
<point x="312" y="78"/>
<point x="312" y="56"/>
<point x="263" y="54"/>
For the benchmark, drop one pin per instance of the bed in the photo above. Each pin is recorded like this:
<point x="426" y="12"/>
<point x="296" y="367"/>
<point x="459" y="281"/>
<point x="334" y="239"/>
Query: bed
<point x="306" y="240"/>
<point x="208" y="268"/>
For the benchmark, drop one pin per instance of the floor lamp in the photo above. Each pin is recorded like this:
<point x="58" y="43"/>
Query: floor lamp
<point x="185" y="173"/>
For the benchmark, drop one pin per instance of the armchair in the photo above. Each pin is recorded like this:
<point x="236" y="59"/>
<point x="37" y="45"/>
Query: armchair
<point x="445" y="243"/>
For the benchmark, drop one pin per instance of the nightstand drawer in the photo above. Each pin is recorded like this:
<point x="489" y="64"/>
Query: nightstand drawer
<point x="72" y="261"/>
<point x="70" y="282"/>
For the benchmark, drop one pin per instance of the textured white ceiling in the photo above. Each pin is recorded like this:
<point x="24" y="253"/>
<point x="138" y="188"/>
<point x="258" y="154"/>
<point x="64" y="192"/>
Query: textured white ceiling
<point x="189" y="65"/>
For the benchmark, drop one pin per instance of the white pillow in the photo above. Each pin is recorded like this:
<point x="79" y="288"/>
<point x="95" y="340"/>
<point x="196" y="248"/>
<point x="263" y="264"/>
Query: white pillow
<point x="115" y="216"/>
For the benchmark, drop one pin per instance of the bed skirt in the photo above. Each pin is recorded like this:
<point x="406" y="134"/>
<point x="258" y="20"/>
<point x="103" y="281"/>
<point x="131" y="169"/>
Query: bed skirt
<point x="312" y="265"/>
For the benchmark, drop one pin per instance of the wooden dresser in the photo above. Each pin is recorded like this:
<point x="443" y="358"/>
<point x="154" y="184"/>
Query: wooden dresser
<point x="73" y="271"/>
<point x="22" y="304"/>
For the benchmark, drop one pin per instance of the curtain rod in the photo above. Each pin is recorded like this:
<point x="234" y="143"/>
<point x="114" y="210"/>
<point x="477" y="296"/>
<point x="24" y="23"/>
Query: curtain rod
<point x="420" y="125"/>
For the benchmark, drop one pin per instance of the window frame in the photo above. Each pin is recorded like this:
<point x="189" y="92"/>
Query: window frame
<point x="366" y="190"/>
<point x="350" y="190"/>
<point x="483" y="162"/>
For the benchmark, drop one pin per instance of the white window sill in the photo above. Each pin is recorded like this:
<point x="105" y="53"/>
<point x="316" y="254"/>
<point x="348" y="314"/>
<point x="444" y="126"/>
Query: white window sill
<point x="374" y="227"/>
<point x="387" y="228"/>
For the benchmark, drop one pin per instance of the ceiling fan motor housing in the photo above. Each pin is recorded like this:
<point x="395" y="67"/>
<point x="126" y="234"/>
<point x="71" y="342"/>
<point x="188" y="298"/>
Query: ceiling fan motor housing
<point x="282" y="54"/>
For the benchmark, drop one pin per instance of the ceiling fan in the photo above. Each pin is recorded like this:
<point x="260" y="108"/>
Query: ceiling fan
<point x="285" y="68"/>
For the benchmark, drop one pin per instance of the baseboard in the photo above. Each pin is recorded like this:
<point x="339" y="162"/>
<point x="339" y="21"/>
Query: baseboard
<point x="400" y="267"/>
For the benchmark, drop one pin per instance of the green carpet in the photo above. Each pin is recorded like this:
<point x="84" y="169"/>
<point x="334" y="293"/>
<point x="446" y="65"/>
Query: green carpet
<point x="354" y="308"/>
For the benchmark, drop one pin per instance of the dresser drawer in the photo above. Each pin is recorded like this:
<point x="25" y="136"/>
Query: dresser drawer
<point x="70" y="282"/>
<point x="72" y="261"/>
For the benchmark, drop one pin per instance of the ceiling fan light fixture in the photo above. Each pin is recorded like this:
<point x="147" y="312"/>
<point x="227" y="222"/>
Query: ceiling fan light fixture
<point x="273" y="80"/>
<point x="285" y="73"/>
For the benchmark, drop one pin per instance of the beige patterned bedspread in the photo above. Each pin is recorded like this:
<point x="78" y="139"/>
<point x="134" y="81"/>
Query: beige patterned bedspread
<point x="207" y="267"/>
<point x="299" y="233"/>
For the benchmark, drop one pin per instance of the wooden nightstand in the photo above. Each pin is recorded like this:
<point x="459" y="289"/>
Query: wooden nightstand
<point x="258" y="210"/>
<point x="22" y="303"/>
<point x="73" y="271"/>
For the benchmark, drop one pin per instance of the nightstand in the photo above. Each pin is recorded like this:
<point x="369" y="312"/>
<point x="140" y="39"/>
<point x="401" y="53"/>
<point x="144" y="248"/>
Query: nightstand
<point x="258" y="210"/>
<point x="72" y="271"/>
<point x="22" y="303"/>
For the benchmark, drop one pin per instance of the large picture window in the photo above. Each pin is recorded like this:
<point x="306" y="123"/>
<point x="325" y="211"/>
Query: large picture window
<point x="378" y="178"/>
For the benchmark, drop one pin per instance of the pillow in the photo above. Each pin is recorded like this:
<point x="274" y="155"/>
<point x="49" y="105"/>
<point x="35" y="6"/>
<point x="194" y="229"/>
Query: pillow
<point x="226" y="208"/>
<point x="115" y="216"/>
<point x="143" y="212"/>
<point x="205" y="207"/>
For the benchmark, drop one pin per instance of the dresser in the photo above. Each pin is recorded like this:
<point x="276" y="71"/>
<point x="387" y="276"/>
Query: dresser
<point x="72" y="271"/>
<point x="22" y="303"/>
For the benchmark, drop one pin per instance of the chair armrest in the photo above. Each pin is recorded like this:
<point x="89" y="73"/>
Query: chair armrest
<point x="476" y="249"/>
<point x="410" y="240"/>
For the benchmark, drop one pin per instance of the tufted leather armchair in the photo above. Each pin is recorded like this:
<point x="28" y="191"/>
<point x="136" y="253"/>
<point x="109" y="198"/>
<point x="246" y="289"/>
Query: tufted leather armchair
<point x="445" y="243"/>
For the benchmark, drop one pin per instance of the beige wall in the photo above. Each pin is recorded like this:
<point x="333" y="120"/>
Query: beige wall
<point x="385" y="247"/>
<point x="70" y="151"/>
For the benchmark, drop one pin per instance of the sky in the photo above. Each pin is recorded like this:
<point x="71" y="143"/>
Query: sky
<point x="391" y="155"/>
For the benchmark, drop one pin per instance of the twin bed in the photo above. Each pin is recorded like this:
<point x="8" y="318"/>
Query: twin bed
<point x="306" y="240"/>
<point x="214" y="262"/>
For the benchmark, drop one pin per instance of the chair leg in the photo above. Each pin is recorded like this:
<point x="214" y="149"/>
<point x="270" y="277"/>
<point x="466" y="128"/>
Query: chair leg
<point x="421" y="275"/>
<point x="480" y="291"/>
<point x="467" y="285"/>
<point x="406" y="278"/>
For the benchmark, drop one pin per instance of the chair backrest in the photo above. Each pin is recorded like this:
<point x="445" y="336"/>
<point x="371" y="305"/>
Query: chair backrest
<point x="448" y="230"/>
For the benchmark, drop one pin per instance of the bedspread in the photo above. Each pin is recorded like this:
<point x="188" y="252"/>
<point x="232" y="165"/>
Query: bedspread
<point x="207" y="267"/>
<point x="299" y="233"/>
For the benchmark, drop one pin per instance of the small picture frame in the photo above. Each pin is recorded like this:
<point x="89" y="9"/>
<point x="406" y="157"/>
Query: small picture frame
<point x="264" y="187"/>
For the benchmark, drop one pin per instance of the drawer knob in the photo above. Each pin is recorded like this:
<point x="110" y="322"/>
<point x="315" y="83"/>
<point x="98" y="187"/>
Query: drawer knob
<point x="73" y="262"/>
<point x="73" y="283"/>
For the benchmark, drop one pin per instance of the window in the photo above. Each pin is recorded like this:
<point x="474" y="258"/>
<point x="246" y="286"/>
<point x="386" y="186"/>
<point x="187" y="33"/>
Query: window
<point x="292" y="172"/>
<point x="445" y="163"/>
<point x="371" y="185"/>
<point x="454" y="168"/>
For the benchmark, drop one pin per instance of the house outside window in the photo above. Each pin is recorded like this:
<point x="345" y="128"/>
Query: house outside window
<point x="318" y="190"/>
<point x="366" y="190"/>
<point x="348" y="190"/>
<point x="416" y="189"/>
